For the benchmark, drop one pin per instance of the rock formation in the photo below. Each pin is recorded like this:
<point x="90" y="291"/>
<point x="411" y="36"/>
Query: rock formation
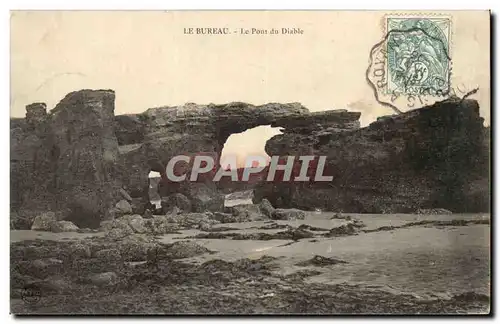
<point x="150" y="139"/>
<point x="66" y="161"/>
<point x="432" y="157"/>
<point x="78" y="159"/>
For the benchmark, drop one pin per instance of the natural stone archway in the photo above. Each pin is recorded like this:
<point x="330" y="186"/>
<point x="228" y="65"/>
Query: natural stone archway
<point x="79" y="156"/>
<point x="149" y="140"/>
<point x="250" y="142"/>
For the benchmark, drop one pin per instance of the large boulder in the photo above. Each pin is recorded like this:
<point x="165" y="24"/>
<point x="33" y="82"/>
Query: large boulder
<point x="82" y="126"/>
<point x="44" y="222"/>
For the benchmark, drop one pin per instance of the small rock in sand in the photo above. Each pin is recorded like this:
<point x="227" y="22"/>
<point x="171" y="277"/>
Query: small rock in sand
<point x="63" y="226"/>
<point x="288" y="214"/>
<point x="319" y="261"/>
<point x="44" y="221"/>
<point x="104" y="279"/>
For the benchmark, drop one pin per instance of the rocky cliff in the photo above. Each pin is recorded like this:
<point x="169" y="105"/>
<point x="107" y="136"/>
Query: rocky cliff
<point x="75" y="159"/>
<point x="436" y="156"/>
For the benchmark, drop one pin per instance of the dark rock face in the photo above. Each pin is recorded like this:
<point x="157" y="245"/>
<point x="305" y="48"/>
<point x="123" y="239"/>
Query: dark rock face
<point x="86" y="181"/>
<point x="77" y="159"/>
<point x="31" y="155"/>
<point x="66" y="160"/>
<point x="433" y="157"/>
<point x="149" y="140"/>
<point x="176" y="200"/>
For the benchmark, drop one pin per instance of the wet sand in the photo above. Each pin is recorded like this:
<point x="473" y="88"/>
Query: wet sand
<point x="425" y="262"/>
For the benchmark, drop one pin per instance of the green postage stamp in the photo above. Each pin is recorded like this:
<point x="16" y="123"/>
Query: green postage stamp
<point x="418" y="55"/>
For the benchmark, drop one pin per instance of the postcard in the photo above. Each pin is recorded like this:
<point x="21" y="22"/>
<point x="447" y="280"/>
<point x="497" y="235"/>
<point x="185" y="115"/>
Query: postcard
<point x="250" y="162"/>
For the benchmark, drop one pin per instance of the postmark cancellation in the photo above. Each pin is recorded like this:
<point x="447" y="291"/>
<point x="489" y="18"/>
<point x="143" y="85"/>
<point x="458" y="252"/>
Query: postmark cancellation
<point x="412" y="64"/>
<point x="418" y="55"/>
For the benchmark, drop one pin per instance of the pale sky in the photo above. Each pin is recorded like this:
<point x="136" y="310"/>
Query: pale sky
<point x="148" y="60"/>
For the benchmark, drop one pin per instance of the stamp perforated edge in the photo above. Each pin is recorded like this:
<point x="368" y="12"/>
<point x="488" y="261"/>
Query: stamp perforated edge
<point x="430" y="15"/>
